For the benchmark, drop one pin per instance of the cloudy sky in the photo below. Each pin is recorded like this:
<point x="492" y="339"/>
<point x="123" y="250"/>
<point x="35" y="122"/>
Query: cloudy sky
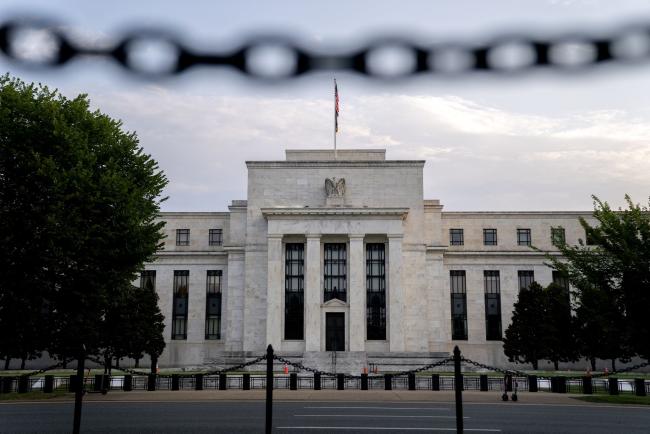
<point x="547" y="141"/>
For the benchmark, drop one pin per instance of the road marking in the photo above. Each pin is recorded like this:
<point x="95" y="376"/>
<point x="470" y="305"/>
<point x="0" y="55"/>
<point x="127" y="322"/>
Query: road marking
<point x="385" y="408"/>
<point x="382" y="428"/>
<point x="375" y="416"/>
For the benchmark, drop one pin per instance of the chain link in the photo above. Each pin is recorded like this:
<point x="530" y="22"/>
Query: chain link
<point x="504" y="54"/>
<point x="40" y="371"/>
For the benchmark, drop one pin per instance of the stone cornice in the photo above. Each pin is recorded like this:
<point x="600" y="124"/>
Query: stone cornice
<point x="334" y="212"/>
<point x="193" y="253"/>
<point x="515" y="214"/>
<point x="499" y="253"/>
<point x="333" y="163"/>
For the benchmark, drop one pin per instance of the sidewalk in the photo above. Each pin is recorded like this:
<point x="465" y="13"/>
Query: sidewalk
<point x="331" y="395"/>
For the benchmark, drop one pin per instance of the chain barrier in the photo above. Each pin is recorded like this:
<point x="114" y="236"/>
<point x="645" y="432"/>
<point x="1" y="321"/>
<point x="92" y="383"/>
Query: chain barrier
<point x="507" y="53"/>
<point x="236" y="367"/>
<point x="621" y="371"/>
<point x="40" y="371"/>
<point x="494" y="368"/>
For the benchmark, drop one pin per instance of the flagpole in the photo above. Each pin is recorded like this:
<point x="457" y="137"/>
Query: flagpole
<point x="335" y="120"/>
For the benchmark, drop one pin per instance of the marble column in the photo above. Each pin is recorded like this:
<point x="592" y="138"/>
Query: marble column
<point x="313" y="292"/>
<point x="357" y="294"/>
<point x="395" y="294"/>
<point x="274" y="292"/>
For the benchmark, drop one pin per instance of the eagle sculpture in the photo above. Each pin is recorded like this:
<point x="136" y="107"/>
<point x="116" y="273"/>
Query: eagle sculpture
<point x="334" y="187"/>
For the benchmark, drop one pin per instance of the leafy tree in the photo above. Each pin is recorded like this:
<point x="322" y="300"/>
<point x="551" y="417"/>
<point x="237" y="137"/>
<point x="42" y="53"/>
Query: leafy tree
<point x="524" y="339"/>
<point x="558" y="325"/>
<point x="78" y="207"/>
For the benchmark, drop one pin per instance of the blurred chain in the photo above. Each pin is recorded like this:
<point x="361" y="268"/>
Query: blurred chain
<point x="495" y="369"/>
<point x="44" y="43"/>
<point x="40" y="371"/>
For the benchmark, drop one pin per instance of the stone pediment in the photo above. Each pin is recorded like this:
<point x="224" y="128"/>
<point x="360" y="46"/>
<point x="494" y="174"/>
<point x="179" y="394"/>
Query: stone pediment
<point x="335" y="302"/>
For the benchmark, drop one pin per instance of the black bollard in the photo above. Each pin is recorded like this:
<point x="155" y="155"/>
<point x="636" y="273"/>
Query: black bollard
<point x="48" y="384"/>
<point x="364" y="381"/>
<point x="435" y="382"/>
<point x="269" y="389"/>
<point x="127" y="384"/>
<point x="587" y="386"/>
<point x="223" y="382"/>
<point x="175" y="382"/>
<point x="293" y="381"/>
<point x="458" y="386"/>
<point x="613" y="386"/>
<point x="483" y="380"/>
<point x="23" y="384"/>
<point x="639" y="387"/>
<point x="151" y="382"/>
<point x="6" y="384"/>
<point x="561" y="384"/>
<point x="340" y="381"/>
<point x="316" y="380"/>
<point x="532" y="383"/>
<point x="246" y="382"/>
<point x="73" y="383"/>
<point x="97" y="385"/>
<point x="411" y="381"/>
<point x="198" y="382"/>
<point x="388" y="382"/>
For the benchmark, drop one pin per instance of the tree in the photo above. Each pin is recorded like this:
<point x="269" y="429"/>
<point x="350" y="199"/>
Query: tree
<point x="612" y="279"/>
<point x="78" y="207"/>
<point x="558" y="325"/>
<point x="524" y="338"/>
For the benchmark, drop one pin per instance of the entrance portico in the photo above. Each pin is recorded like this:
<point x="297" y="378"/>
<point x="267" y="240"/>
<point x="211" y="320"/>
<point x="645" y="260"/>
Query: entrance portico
<point x="316" y="227"/>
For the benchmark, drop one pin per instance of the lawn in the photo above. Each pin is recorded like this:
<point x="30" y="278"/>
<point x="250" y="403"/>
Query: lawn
<point x="615" y="399"/>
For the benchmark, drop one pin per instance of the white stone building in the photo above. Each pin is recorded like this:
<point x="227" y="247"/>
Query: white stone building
<point x="342" y="252"/>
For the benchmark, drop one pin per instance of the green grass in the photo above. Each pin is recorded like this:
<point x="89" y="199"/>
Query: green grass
<point x="34" y="395"/>
<point x="615" y="399"/>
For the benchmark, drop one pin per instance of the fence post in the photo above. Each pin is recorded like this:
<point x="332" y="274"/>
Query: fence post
<point x="388" y="382"/>
<point x="639" y="387"/>
<point x="127" y="384"/>
<point x="411" y="381"/>
<point x="613" y="386"/>
<point x="73" y="383"/>
<point x="48" y="385"/>
<point x="508" y="382"/>
<point x="532" y="383"/>
<point x="97" y="385"/>
<point x="293" y="381"/>
<point x="435" y="381"/>
<point x="198" y="382"/>
<point x="6" y="384"/>
<point x="246" y="381"/>
<point x="483" y="380"/>
<point x="175" y="382"/>
<point x="587" y="386"/>
<point x="151" y="382"/>
<point x="316" y="380"/>
<point x="364" y="381"/>
<point x="269" y="389"/>
<point x="23" y="384"/>
<point x="340" y="381"/>
<point x="223" y="382"/>
<point x="458" y="386"/>
<point x="561" y="384"/>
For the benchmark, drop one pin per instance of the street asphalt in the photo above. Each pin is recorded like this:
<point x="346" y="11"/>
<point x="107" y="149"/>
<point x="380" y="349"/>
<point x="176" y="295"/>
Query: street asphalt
<point x="309" y="412"/>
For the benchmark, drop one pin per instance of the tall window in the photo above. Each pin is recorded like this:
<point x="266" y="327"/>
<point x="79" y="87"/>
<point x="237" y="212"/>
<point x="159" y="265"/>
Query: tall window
<point x="179" y="310"/>
<point x="458" y="305"/>
<point x="182" y="237"/>
<point x="294" y="285"/>
<point x="336" y="282"/>
<point x="558" y="236"/>
<point x="213" y="305"/>
<point x="376" y="291"/>
<point x="526" y="277"/>
<point x="215" y="237"/>
<point x="523" y="237"/>
<point x="489" y="237"/>
<point x="456" y="237"/>
<point x="148" y="279"/>
<point x="561" y="279"/>
<point x="492" y="305"/>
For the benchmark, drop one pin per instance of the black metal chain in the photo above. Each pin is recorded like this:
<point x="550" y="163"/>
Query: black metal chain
<point x="236" y="367"/>
<point x="621" y="371"/>
<point x="495" y="369"/>
<point x="40" y="371"/>
<point x="504" y="54"/>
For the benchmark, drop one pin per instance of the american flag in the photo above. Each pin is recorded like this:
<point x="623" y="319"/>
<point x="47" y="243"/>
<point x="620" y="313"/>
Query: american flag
<point x="336" y="107"/>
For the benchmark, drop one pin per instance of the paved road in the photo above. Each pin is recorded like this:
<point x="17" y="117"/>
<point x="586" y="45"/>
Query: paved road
<point x="320" y="417"/>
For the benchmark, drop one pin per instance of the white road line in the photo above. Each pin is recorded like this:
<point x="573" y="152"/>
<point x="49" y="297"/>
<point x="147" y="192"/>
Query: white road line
<point x="384" y="408"/>
<point x="382" y="428"/>
<point x="376" y="416"/>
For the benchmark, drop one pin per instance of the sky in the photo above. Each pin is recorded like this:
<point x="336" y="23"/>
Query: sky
<point x="544" y="141"/>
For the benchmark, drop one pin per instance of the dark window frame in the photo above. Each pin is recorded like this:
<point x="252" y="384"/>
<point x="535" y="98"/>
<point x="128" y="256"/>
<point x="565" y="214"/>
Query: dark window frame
<point x="525" y="278"/>
<point x="375" y="291"/>
<point x="335" y="279"/>
<point x="181" y="292"/>
<point x="148" y="277"/>
<point x="213" y="306"/>
<point x="456" y="237"/>
<point x="215" y="237"/>
<point x="182" y="237"/>
<point x="294" y="291"/>
<point x="524" y="237"/>
<point x="458" y="291"/>
<point x="492" y="285"/>
<point x="487" y="233"/>
<point x="558" y="236"/>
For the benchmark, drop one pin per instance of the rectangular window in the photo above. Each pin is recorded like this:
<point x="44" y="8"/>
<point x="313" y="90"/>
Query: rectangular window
<point x="523" y="237"/>
<point x="148" y="279"/>
<point x="558" y="237"/>
<point x="336" y="282"/>
<point x="492" y="305"/>
<point x="526" y="277"/>
<point x="294" y="285"/>
<point x="458" y="305"/>
<point x="456" y="237"/>
<point x="213" y="305"/>
<point x="562" y="280"/>
<point x="215" y="237"/>
<point x="489" y="237"/>
<point x="182" y="237"/>
<point x="179" y="309"/>
<point x="376" y="291"/>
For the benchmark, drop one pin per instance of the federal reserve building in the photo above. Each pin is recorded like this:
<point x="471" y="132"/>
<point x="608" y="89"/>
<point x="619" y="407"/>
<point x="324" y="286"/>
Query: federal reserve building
<point x="339" y="254"/>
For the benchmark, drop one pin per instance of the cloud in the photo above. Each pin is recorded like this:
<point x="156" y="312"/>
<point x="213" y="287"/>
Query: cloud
<point x="479" y="157"/>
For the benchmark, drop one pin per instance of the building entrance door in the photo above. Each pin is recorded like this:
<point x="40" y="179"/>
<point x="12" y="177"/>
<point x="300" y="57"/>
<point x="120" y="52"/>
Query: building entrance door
<point x="334" y="331"/>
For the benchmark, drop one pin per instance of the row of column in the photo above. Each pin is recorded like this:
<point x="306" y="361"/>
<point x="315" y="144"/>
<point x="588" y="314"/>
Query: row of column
<point x="313" y="293"/>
